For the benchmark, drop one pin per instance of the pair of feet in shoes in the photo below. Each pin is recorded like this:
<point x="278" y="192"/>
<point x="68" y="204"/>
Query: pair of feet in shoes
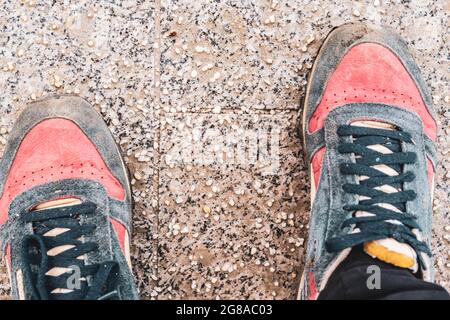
<point x="368" y="130"/>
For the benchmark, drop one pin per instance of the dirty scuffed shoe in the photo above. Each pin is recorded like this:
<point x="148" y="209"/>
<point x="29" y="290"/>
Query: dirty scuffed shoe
<point x="369" y="132"/>
<point x="65" y="205"/>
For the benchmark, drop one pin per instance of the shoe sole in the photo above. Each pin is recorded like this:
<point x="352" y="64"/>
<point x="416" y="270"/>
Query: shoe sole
<point x="302" y="129"/>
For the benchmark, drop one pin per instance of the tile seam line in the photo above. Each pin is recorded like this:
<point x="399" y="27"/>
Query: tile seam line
<point x="230" y="111"/>
<point x="157" y="95"/>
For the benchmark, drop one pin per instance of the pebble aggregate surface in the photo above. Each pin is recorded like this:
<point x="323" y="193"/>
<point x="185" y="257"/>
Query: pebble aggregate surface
<point x="157" y="70"/>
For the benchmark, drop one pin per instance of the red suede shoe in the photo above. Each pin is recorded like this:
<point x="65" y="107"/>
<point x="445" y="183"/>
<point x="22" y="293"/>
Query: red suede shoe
<point x="65" y="205"/>
<point x="369" y="132"/>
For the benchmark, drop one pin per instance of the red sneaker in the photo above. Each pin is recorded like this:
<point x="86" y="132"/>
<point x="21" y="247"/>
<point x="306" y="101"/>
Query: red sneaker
<point x="65" y="205"/>
<point x="369" y="132"/>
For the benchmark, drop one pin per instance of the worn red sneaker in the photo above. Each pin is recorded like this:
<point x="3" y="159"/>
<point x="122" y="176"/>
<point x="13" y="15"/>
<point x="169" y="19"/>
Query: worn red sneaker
<point x="369" y="134"/>
<point x="65" y="205"/>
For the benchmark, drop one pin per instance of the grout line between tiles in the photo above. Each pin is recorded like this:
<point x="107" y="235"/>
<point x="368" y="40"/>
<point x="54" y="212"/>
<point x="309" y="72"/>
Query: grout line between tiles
<point x="157" y="97"/>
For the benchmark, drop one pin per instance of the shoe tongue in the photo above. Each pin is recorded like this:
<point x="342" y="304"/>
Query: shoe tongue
<point x="58" y="203"/>
<point x="388" y="250"/>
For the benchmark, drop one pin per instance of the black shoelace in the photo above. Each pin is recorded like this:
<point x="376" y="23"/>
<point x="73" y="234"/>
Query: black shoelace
<point x="377" y="226"/>
<point x="96" y="281"/>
